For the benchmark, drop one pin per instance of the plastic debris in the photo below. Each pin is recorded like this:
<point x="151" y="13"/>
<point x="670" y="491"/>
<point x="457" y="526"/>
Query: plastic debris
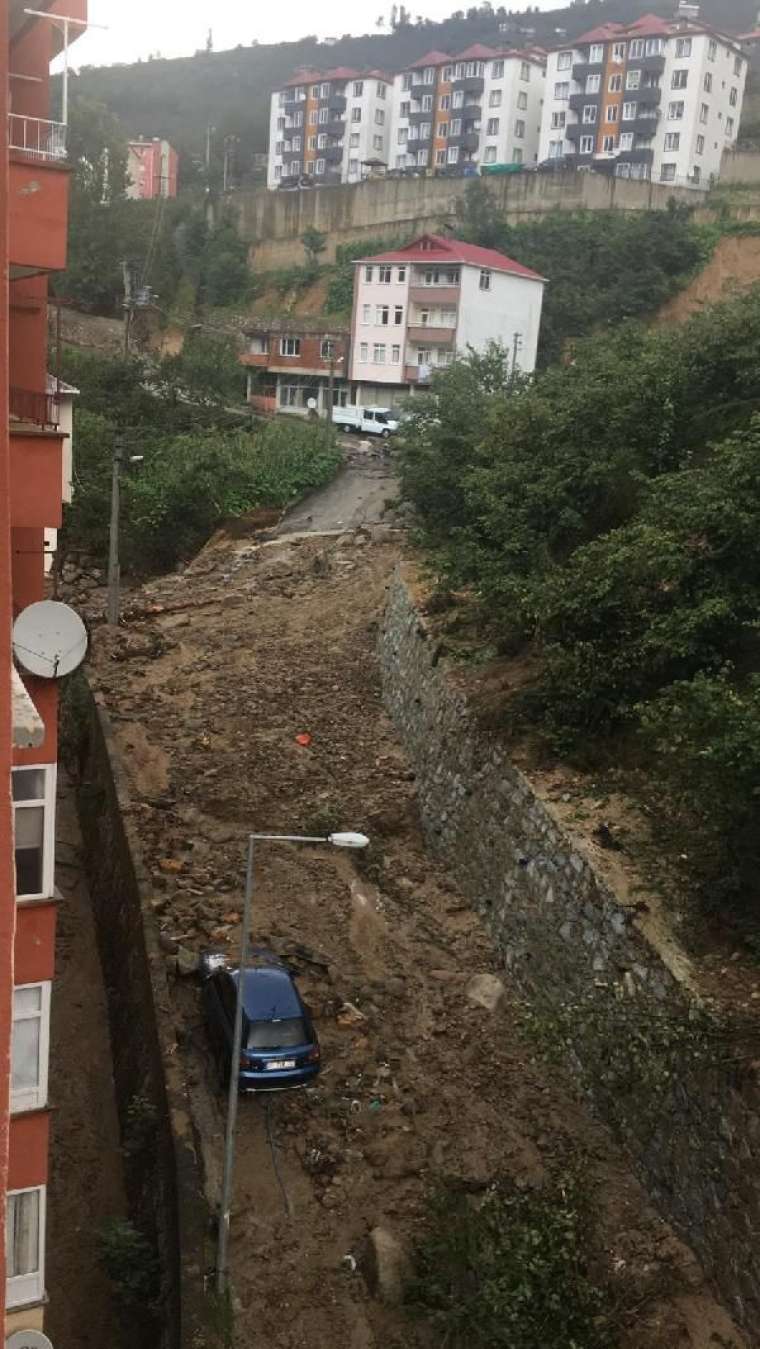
<point x="303" y="739"/>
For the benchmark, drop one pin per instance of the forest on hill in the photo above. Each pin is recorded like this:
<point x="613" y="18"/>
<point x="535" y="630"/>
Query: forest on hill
<point x="229" y="91"/>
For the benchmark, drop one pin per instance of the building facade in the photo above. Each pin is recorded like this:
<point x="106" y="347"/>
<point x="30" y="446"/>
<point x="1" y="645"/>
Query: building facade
<point x="329" y="127"/>
<point x="290" y="364"/>
<point x="151" y="169"/>
<point x="443" y="114"/>
<point x="655" y="99"/>
<point x="33" y="229"/>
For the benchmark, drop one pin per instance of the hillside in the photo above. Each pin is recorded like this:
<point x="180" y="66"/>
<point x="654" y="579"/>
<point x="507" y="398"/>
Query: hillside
<point x="230" y="90"/>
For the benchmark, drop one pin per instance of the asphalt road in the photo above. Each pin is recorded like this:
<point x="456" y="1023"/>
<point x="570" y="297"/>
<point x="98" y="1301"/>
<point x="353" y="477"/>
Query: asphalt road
<point x="356" y="496"/>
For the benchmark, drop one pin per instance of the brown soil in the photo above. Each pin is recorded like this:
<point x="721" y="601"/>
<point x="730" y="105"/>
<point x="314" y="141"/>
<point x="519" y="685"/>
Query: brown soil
<point x="248" y="648"/>
<point x="733" y="268"/>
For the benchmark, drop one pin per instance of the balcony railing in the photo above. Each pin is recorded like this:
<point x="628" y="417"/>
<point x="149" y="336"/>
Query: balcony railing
<point x="37" y="137"/>
<point x="39" y="409"/>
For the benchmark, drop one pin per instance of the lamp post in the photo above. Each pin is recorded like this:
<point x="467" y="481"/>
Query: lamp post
<point x="342" y="840"/>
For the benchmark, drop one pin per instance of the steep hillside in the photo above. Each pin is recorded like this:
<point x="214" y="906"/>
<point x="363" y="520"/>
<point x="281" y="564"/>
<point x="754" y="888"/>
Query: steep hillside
<point x="230" y="90"/>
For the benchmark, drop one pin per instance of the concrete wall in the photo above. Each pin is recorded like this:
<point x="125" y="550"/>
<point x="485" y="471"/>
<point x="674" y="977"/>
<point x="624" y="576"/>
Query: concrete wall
<point x="273" y="222"/>
<point x="740" y="166"/>
<point x="603" y="990"/>
<point x="162" y="1168"/>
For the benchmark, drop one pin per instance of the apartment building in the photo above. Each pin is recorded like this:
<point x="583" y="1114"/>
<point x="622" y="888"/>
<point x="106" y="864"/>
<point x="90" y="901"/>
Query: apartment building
<point x="482" y="106"/>
<point x="290" y="363"/>
<point x="34" y="190"/>
<point x="151" y="169"/>
<point x="655" y="99"/>
<point x="329" y="127"/>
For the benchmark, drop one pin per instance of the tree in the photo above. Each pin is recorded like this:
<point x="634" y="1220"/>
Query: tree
<point x="314" y="242"/>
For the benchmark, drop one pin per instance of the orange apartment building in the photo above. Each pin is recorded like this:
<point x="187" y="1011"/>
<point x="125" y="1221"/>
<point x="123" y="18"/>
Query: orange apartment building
<point x="33" y="227"/>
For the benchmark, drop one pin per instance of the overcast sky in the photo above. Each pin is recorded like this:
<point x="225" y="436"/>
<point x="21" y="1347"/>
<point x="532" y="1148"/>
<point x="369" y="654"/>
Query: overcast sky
<point x="179" y="27"/>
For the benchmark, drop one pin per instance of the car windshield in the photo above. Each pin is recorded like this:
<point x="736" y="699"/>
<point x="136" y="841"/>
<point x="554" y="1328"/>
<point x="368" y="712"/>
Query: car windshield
<point x="277" y="1034"/>
<point x="380" y="417"/>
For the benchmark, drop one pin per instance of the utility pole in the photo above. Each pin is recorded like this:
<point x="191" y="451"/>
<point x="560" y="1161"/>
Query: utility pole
<point x="330" y="380"/>
<point x="114" y="570"/>
<point x="517" y="343"/>
<point x="127" y="273"/>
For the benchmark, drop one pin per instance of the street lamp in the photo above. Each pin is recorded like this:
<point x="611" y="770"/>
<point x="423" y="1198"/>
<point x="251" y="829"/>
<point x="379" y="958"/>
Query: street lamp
<point x="340" y="840"/>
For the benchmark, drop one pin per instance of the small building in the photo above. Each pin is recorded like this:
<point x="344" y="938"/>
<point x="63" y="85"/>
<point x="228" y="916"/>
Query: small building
<point x="289" y="363"/>
<point x="151" y="169"/>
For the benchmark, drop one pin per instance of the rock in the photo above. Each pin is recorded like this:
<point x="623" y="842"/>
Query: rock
<point x="349" y="1016"/>
<point x="385" y="1266"/>
<point x="485" y="990"/>
<point x="188" y="961"/>
<point x="168" y="943"/>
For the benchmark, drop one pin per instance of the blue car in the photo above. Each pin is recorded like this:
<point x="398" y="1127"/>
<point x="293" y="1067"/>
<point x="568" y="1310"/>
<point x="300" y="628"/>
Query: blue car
<point x="279" y="1046"/>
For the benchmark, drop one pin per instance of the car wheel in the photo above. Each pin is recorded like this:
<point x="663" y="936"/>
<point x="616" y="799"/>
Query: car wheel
<point x="385" y="434"/>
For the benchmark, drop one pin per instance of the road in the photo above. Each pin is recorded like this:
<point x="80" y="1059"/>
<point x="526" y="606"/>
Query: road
<point x="358" y="495"/>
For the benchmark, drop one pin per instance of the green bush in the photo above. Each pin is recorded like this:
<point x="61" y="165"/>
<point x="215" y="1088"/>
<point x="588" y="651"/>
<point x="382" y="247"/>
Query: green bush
<point x="132" y="1266"/>
<point x="507" y="1271"/>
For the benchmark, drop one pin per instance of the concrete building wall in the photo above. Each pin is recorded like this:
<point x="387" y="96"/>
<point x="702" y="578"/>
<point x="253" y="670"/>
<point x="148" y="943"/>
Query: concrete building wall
<point x="375" y="295"/>
<point x="512" y="306"/>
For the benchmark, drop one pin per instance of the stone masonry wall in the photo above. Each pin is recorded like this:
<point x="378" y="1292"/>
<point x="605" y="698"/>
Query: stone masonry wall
<point x="678" y="1093"/>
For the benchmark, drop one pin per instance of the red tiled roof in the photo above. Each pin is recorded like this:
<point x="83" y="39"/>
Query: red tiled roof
<point x="432" y="59"/>
<point x="378" y="75"/>
<point x="650" y="25"/>
<point x="302" y="77"/>
<point x="341" y="73"/>
<point x="606" y="32"/>
<point x="434" y="248"/>
<point x="477" y="52"/>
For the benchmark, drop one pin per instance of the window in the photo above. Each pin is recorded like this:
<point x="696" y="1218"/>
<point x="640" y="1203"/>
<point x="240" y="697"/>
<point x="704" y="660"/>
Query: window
<point x="633" y="79"/>
<point x="485" y="279"/>
<point x="555" y="149"/>
<point x="298" y="118"/>
<point x="733" y="98"/>
<point x="453" y="155"/>
<point x="440" y="156"/>
<point x="737" y="65"/>
<point x="358" y="88"/>
<point x="448" y="74"/>
<point x="382" y="315"/>
<point x="626" y="140"/>
<point x="398" y="314"/>
<point x="25" y="1246"/>
<point x="615" y="84"/>
<point x="492" y="126"/>
<point x="456" y="127"/>
<point x="321" y="142"/>
<point x="668" y="173"/>
<point x="366" y="313"/>
<point x="700" y="145"/>
<point x="320" y="166"/>
<point x="323" y="116"/>
<point x="675" y="111"/>
<point x="425" y="129"/>
<point x="589" y="114"/>
<point x="587" y="145"/>
<point x="290" y="346"/>
<point x="427" y="102"/>
<point x="395" y="355"/>
<point x="490" y="155"/>
<point x="296" y="143"/>
<point x="377" y="142"/>
<point x="458" y="99"/>
<point x="712" y="50"/>
<point x="404" y="109"/>
<point x="279" y="147"/>
<point x="497" y="70"/>
<point x="654" y="46"/>
<point x="363" y="351"/>
<point x="629" y="111"/>
<point x="683" y="47"/>
<point x="558" y="121"/>
<point x="380" y="90"/>
<point x="384" y="275"/>
<point x="596" y="54"/>
<point x="295" y="168"/>
<point x="696" y="174"/>
<point x="519" y="129"/>
<point x="428" y="75"/>
<point x="562" y="91"/>
<point x="356" y="114"/>
<point x="708" y="83"/>
<point x="369" y="273"/>
<point x="406" y="83"/>
<point x="608" y="144"/>
<point x="525" y="71"/>
<point x="353" y="166"/>
<point x="611" y="114"/>
<point x="618" y="51"/>
<point x="30" y="1046"/>
<point x="636" y="50"/>
<point x="378" y="353"/>
<point x="704" y="112"/>
<point x="494" y="98"/>
<point x="402" y="135"/>
<point x="445" y="103"/>
<point x="401" y="275"/>
<point x="564" y="60"/>
<point x="280" y="123"/>
<point x="314" y="117"/>
<point x="517" y="155"/>
<point x="522" y="100"/>
<point x="34" y="829"/>
<point x="379" y="117"/>
<point x="443" y="129"/>
<point x="672" y="140"/>
<point x="729" y="126"/>
<point x="679" y="79"/>
<point x="593" y="83"/>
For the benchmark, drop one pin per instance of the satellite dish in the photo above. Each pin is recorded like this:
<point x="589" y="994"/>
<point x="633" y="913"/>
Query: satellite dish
<point x="311" y="404"/>
<point x="49" y="639"/>
<point x="28" y="1339"/>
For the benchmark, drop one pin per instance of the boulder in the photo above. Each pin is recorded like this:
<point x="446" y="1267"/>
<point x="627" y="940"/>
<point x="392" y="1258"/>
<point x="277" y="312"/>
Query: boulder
<point x="385" y="1266"/>
<point x="485" y="990"/>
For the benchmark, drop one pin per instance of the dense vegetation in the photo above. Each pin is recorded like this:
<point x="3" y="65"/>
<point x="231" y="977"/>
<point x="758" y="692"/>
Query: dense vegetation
<point x="229" y="91"/>
<point x="605" y="518"/>
<point x="602" y="266"/>
<point x="200" y="464"/>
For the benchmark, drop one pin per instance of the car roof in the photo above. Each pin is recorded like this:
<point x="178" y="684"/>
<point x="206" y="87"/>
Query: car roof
<point x="269" y="994"/>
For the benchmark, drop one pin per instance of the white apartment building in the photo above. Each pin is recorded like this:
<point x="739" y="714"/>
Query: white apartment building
<point x="655" y="99"/>
<point x="329" y="126"/>
<point x="415" y="308"/>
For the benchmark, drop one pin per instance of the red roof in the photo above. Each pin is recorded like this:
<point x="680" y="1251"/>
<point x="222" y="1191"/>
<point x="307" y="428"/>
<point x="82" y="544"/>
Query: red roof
<point x="432" y="59"/>
<point x="302" y="77"/>
<point x="477" y="52"/>
<point x="378" y="75"/>
<point x="341" y="73"/>
<point x="436" y="248"/>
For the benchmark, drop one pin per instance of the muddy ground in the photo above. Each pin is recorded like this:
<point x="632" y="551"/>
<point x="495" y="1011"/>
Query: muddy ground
<point x="230" y="661"/>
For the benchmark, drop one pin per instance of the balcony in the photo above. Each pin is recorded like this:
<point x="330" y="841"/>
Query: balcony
<point x="650" y="97"/>
<point x="418" y="91"/>
<point x="36" y="137"/>
<point x="258" y="359"/>
<point x="417" y="374"/>
<point x="38" y="210"/>
<point x="574" y="132"/>
<point x="641" y="155"/>
<point x="36" y="476"/>
<point x="473" y="84"/>
<point x="577" y="102"/>
<point x="641" y="126"/>
<point x="337" y="103"/>
<point x="426" y="334"/>
<point x="468" y="140"/>
<point x="652" y="65"/>
<point x="415" y="118"/>
<point x="333" y="154"/>
<point x="335" y="127"/>
<point x="583" y="69"/>
<point x="36" y="409"/>
<point x="443" y="294"/>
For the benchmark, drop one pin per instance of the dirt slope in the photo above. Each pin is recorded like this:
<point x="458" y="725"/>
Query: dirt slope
<point x="733" y="268"/>
<point x="247" y="649"/>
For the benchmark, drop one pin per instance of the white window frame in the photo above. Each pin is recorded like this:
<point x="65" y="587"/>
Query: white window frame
<point x="366" y="313"/>
<point x="363" y="352"/>
<point x="358" y="89"/>
<point x="700" y="147"/>
<point x="588" y="142"/>
<point x="608" y="145"/>
<point x="564" y="60"/>
<point x="402" y="275"/>
<point x="626" y="141"/>
<point x="492" y="126"/>
<point x="615" y="83"/>
<point x="47" y="802"/>
<point x="629" y="112"/>
<point x="590" y="111"/>
<point x="668" y="173"/>
<point x="22" y="1289"/>
<point x="596" y="54"/>
<point x="384" y="274"/>
<point x="285" y="341"/>
<point x="485" y="279"/>
<point x="369" y="273"/>
<point x="378" y="353"/>
<point x="672" y="142"/>
<point x="683" y="48"/>
<point x="633" y="79"/>
<point x="320" y="166"/>
<point x="679" y="79"/>
<point x="559" y="121"/>
<point x="519" y="128"/>
<point x="593" y="84"/>
<point x="34" y="1098"/>
<point x="618" y="51"/>
<point x="676" y="111"/>
<point x="562" y="90"/>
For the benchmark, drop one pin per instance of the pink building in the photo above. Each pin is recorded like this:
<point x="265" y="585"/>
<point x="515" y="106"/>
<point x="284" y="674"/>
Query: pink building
<point x="151" y="169"/>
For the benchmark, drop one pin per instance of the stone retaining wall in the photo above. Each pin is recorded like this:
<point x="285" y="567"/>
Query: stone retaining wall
<point x="678" y="1090"/>
<point x="162" y="1165"/>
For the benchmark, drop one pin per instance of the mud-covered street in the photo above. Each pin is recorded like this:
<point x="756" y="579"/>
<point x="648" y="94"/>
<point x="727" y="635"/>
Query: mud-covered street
<point x="229" y="662"/>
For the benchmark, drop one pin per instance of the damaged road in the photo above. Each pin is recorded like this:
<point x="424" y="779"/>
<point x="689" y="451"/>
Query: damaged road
<point x="214" y="691"/>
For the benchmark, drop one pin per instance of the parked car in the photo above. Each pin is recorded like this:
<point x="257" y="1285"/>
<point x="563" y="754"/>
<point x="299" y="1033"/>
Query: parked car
<point x="279" y="1046"/>
<point x="372" y="421"/>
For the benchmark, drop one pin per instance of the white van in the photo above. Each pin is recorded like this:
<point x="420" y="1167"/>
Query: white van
<point x="374" y="421"/>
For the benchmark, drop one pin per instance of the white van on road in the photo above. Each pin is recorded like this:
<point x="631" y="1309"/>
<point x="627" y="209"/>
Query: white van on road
<point x="374" y="421"/>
